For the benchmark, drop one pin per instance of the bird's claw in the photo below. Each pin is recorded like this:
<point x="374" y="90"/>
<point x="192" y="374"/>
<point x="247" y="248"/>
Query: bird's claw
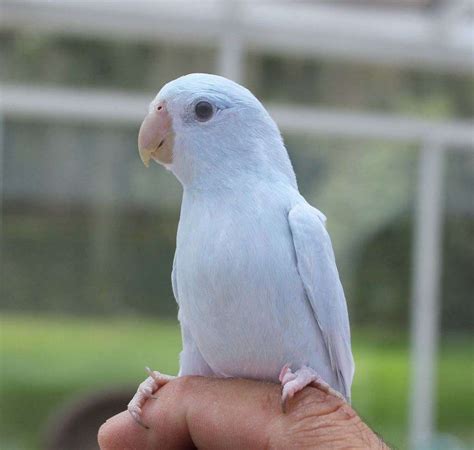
<point x="145" y="391"/>
<point x="293" y="382"/>
<point x="136" y="417"/>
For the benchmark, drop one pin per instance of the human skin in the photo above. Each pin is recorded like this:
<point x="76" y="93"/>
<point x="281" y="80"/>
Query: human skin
<point x="211" y="413"/>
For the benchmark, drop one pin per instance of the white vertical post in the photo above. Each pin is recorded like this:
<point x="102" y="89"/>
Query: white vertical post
<point x="2" y="150"/>
<point x="230" y="56"/>
<point x="425" y="301"/>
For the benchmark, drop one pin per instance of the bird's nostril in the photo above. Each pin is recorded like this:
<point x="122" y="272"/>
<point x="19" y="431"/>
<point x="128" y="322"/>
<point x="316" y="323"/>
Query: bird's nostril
<point x="161" y="143"/>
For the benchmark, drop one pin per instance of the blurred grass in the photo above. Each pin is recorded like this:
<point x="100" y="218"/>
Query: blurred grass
<point x="46" y="359"/>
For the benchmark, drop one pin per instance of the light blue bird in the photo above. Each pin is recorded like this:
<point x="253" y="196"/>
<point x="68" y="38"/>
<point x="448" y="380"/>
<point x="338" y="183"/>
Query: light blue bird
<point x="254" y="272"/>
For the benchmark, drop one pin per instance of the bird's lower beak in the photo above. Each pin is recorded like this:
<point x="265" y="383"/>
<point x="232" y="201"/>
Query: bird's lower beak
<point x="156" y="137"/>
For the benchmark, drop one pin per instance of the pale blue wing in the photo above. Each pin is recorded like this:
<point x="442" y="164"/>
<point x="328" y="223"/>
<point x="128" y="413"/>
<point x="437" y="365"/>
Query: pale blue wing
<point x="318" y="272"/>
<point x="174" y="282"/>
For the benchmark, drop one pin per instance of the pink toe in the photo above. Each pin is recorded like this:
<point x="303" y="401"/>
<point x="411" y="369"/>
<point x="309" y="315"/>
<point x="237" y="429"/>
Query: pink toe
<point x="290" y="376"/>
<point x="287" y="393"/>
<point x="284" y="370"/>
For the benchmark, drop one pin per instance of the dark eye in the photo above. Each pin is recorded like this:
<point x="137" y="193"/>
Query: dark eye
<point x="204" y="111"/>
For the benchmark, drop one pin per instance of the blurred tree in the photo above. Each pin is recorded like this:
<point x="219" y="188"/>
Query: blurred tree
<point x="87" y="230"/>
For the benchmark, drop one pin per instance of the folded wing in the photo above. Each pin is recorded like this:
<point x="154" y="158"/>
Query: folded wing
<point x="318" y="272"/>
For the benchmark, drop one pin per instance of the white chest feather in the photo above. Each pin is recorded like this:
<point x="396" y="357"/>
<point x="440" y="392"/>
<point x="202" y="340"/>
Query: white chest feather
<point x="239" y="288"/>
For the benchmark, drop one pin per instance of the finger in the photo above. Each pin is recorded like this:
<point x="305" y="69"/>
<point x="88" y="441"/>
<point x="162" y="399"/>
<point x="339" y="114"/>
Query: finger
<point x="236" y="414"/>
<point x="166" y="419"/>
<point x="232" y="413"/>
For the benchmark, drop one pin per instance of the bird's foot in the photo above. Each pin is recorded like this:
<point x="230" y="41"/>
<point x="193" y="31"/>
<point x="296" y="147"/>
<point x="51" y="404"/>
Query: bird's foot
<point x="293" y="382"/>
<point x="146" y="391"/>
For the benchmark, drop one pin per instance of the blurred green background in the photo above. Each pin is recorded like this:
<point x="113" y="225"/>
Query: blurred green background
<point x="47" y="359"/>
<point x="88" y="235"/>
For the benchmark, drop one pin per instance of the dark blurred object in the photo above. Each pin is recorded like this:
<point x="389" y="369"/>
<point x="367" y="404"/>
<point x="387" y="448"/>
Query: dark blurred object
<point x="381" y="295"/>
<point x="75" y="425"/>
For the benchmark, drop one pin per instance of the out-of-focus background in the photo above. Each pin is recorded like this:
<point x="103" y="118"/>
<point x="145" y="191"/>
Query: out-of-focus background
<point x="375" y="101"/>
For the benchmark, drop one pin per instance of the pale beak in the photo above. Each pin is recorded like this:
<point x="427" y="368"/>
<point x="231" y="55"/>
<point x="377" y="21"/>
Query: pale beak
<point x="155" y="138"/>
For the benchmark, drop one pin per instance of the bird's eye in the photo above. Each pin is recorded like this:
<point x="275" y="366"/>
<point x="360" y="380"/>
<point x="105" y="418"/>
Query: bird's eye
<point x="204" y="111"/>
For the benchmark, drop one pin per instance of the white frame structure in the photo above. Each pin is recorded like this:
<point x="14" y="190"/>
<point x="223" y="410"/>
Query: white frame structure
<point x="440" y="39"/>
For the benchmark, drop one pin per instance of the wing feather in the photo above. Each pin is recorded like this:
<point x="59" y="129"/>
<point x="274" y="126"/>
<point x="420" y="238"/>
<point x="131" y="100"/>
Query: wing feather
<point x="317" y="268"/>
<point x="174" y="281"/>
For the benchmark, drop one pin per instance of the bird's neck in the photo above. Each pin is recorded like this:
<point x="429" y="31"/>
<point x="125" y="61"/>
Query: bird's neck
<point x="243" y="195"/>
<point x="215" y="184"/>
<point x="235" y="179"/>
<point x="234" y="165"/>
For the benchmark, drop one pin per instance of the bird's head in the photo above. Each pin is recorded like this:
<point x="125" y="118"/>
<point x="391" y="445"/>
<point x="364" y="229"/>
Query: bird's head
<point x="207" y="129"/>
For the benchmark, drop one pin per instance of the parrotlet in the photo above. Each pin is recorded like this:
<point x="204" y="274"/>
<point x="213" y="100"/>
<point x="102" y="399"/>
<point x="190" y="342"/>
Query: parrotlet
<point x="254" y="272"/>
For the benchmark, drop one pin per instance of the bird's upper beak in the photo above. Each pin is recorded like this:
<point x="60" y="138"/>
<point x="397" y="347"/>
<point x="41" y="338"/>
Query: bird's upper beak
<point x="156" y="136"/>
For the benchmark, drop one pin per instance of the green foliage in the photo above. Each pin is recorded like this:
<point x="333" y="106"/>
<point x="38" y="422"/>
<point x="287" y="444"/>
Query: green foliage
<point x="382" y="293"/>
<point x="31" y="57"/>
<point x="53" y="264"/>
<point x="45" y="360"/>
<point x="108" y="63"/>
<point x="356" y="85"/>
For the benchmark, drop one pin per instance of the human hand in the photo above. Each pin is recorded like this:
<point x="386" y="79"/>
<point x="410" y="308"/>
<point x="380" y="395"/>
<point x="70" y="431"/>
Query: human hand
<point x="213" y="413"/>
